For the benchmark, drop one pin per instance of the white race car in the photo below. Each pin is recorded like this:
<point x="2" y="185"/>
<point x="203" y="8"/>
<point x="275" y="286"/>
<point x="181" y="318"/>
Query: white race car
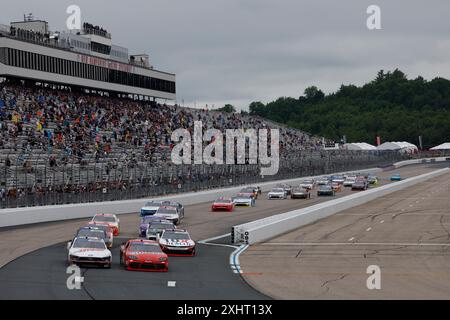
<point x="243" y="200"/>
<point x="277" y="193"/>
<point x="169" y="213"/>
<point x="176" y="242"/>
<point x="349" y="181"/>
<point x="307" y="184"/>
<point x="88" y="251"/>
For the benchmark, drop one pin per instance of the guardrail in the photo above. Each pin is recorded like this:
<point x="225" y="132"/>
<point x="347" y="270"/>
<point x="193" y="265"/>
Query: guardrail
<point x="267" y="228"/>
<point x="31" y="215"/>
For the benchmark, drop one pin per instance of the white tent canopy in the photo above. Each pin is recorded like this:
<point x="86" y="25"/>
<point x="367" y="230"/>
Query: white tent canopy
<point x="444" y="146"/>
<point x="360" y="146"/>
<point x="400" y="146"/>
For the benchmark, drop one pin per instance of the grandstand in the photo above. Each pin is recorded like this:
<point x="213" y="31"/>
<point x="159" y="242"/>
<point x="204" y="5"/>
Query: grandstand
<point x="74" y="134"/>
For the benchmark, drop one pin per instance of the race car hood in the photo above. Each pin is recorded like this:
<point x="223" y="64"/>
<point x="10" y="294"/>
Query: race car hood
<point x="177" y="242"/>
<point x="146" y="255"/>
<point x="104" y="223"/>
<point x="276" y="193"/>
<point x="167" y="216"/>
<point x="89" y="252"/>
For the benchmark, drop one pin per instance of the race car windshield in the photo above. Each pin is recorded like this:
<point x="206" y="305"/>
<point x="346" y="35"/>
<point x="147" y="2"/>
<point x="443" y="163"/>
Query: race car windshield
<point x="104" y="219"/>
<point x="144" y="247"/>
<point x="101" y="227"/>
<point x="307" y="181"/>
<point x="278" y="190"/>
<point x="176" y="236"/>
<point x="91" y="233"/>
<point x="244" y="196"/>
<point x="167" y="210"/>
<point x="326" y="187"/>
<point x="160" y="225"/>
<point x="87" y="243"/>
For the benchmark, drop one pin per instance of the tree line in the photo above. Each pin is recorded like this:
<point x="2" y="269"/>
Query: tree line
<point x="390" y="106"/>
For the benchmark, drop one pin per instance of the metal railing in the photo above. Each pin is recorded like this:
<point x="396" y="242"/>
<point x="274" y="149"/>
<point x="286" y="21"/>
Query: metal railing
<point x="27" y="183"/>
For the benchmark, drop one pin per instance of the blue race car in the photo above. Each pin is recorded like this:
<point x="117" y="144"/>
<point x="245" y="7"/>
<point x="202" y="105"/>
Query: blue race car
<point x="396" y="177"/>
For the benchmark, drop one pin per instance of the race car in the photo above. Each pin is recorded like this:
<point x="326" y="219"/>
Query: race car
<point x="349" y="181"/>
<point x="223" y="204"/>
<point x="169" y="213"/>
<point x="177" y="242"/>
<point x="286" y="188"/>
<point x="325" y="190"/>
<point x="108" y="231"/>
<point x="277" y="193"/>
<point x="88" y="251"/>
<point x="177" y="205"/>
<point x="145" y="221"/>
<point x="396" y="177"/>
<point x="150" y="208"/>
<point x="338" y="179"/>
<point x="143" y="255"/>
<point x="94" y="232"/>
<point x="251" y="191"/>
<point x="108" y="219"/>
<point x="372" y="179"/>
<point x="307" y="184"/>
<point x="360" y="184"/>
<point x="244" y="199"/>
<point x="323" y="181"/>
<point x="300" y="193"/>
<point x="337" y="187"/>
<point x="155" y="228"/>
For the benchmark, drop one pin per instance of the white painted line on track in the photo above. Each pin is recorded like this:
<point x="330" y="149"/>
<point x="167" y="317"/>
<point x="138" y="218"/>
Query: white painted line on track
<point x="171" y="284"/>
<point x="382" y="221"/>
<point x="368" y="229"/>
<point x="214" y="238"/>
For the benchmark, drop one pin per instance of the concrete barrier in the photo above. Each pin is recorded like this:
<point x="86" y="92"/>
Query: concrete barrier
<point x="32" y="215"/>
<point x="267" y="228"/>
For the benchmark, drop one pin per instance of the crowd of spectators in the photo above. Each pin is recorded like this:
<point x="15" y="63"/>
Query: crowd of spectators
<point x="62" y="128"/>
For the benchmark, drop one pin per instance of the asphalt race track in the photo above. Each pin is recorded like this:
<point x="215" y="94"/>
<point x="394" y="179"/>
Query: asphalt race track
<point x="406" y="234"/>
<point x="34" y="257"/>
<point x="41" y="275"/>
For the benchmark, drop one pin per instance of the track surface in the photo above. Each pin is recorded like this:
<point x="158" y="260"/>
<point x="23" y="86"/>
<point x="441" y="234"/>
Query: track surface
<point x="406" y="234"/>
<point x="38" y="271"/>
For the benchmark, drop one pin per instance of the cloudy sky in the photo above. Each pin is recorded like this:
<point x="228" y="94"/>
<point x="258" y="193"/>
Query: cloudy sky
<point x="238" y="51"/>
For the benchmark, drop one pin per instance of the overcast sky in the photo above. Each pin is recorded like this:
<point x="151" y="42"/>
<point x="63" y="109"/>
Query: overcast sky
<point x="239" y="51"/>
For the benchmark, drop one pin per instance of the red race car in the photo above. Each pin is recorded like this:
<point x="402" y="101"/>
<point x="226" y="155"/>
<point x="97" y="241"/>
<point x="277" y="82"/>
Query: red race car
<point x="223" y="204"/>
<point x="143" y="255"/>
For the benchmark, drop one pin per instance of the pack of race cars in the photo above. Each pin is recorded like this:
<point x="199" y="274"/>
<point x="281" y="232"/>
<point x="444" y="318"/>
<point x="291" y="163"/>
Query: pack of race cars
<point x="325" y="185"/>
<point x="159" y="238"/>
<point x="246" y="197"/>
